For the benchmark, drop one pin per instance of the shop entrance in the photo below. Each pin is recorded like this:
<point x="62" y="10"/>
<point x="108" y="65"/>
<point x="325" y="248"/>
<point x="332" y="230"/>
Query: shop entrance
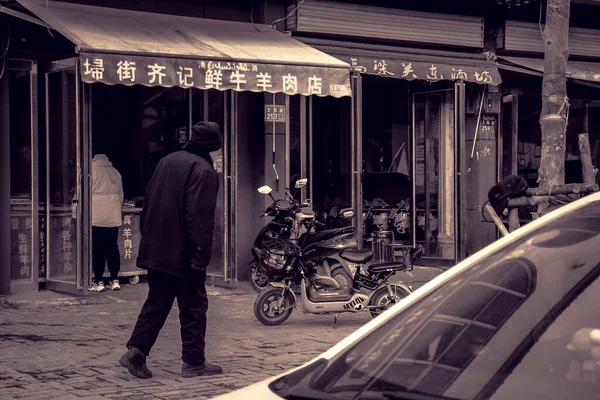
<point x="408" y="163"/>
<point x="136" y="126"/>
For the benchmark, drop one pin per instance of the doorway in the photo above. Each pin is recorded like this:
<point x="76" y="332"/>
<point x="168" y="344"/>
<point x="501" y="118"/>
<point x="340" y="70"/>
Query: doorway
<point x="433" y="205"/>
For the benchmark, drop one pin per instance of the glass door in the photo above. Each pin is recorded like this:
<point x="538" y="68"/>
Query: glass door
<point x="24" y="224"/>
<point x="433" y="203"/>
<point x="64" y="200"/>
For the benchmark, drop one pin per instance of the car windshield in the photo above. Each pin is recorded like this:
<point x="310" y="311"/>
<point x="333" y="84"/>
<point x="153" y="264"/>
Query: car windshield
<point x="519" y="323"/>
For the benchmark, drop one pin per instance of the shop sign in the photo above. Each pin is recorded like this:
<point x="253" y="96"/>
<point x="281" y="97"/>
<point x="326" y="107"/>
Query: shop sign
<point x="488" y="125"/>
<point x="483" y="73"/>
<point x="221" y="75"/>
<point x="274" y="113"/>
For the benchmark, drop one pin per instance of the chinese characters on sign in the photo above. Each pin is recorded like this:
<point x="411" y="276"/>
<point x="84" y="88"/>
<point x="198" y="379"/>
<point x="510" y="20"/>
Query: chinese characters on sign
<point x="21" y="230"/>
<point x="274" y="113"/>
<point x="479" y="72"/>
<point x="202" y="74"/>
<point x="488" y="125"/>
<point x="127" y="234"/>
<point x="67" y="246"/>
<point x="42" y="245"/>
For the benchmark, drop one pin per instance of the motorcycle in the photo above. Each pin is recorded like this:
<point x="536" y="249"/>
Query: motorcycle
<point x="289" y="220"/>
<point x="370" y="288"/>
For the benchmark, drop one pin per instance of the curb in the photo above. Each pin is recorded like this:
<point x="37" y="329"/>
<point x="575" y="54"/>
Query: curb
<point x="8" y="302"/>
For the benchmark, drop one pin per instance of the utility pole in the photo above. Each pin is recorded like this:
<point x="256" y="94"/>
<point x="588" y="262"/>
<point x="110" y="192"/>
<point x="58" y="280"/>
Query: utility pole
<point x="555" y="103"/>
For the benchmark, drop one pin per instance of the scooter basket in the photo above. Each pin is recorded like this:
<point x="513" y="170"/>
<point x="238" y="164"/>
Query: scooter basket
<point x="277" y="254"/>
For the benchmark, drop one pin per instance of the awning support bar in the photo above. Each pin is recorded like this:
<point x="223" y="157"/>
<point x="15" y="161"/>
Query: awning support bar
<point x="25" y="17"/>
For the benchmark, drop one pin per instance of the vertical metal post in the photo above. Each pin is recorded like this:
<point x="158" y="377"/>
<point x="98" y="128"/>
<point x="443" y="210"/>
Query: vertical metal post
<point x="226" y="183"/>
<point x="413" y="175"/>
<point x="288" y="184"/>
<point x="86" y="200"/>
<point x="190" y="112"/>
<point x="357" y="193"/>
<point x="233" y="152"/>
<point x="35" y="194"/>
<point x="47" y="161"/>
<point x="427" y="177"/>
<point x="460" y="168"/>
<point x="303" y="144"/>
<point x="310" y="147"/>
<point x="79" y="179"/>
<point x="514" y="142"/>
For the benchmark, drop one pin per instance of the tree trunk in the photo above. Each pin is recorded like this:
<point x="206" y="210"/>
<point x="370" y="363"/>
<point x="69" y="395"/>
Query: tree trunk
<point x="589" y="172"/>
<point x="555" y="103"/>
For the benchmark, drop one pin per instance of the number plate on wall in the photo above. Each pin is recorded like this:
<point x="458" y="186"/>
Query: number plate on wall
<point x="274" y="113"/>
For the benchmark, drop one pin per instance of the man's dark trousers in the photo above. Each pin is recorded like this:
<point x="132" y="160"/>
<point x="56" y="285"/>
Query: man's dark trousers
<point x="192" y="301"/>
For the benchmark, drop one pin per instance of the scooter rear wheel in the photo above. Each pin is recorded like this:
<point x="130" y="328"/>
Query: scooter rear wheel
<point x="265" y="306"/>
<point x="382" y="298"/>
<point x="343" y="278"/>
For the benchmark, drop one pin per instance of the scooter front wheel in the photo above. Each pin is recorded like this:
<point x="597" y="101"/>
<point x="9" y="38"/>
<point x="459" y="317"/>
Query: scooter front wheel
<point x="266" y="306"/>
<point x="258" y="280"/>
<point x="381" y="298"/>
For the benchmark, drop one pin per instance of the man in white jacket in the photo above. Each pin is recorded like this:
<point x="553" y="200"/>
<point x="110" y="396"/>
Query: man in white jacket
<point x="107" y="199"/>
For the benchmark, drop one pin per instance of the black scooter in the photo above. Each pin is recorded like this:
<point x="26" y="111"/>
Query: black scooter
<point x="288" y="220"/>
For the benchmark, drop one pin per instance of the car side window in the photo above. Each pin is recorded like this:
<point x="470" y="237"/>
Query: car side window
<point x="460" y="339"/>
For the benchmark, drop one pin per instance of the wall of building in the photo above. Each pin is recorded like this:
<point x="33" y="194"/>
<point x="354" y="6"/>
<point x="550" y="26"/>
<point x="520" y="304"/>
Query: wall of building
<point x="227" y="10"/>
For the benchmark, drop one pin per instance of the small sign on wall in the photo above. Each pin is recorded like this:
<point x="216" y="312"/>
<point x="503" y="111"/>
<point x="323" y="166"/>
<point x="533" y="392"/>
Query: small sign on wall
<point x="488" y="126"/>
<point x="274" y="113"/>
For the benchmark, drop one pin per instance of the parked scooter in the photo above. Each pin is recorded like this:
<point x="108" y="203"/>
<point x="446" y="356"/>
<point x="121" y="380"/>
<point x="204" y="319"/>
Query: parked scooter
<point x="370" y="289"/>
<point x="288" y="219"/>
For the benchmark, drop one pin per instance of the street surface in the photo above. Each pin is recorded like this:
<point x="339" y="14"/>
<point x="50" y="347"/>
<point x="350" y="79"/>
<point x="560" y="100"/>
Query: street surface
<point x="56" y="347"/>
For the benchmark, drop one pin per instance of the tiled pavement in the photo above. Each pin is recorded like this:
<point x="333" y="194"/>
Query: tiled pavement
<point x="60" y="348"/>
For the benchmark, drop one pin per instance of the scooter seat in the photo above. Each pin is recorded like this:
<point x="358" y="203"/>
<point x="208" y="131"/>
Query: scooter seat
<point x="324" y="235"/>
<point x="376" y="268"/>
<point x="357" y="256"/>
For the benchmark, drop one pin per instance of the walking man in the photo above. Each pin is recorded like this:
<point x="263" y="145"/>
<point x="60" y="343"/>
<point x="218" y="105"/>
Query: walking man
<point x="177" y="232"/>
<point x="107" y="199"/>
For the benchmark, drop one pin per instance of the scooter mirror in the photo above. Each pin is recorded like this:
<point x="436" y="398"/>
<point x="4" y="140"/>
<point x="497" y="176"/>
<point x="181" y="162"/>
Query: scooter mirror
<point x="300" y="183"/>
<point x="347" y="213"/>
<point x="264" y="190"/>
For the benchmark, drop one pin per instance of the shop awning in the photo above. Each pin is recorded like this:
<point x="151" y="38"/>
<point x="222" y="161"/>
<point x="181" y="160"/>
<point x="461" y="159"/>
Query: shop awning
<point x="411" y="64"/>
<point x="583" y="71"/>
<point x="129" y="47"/>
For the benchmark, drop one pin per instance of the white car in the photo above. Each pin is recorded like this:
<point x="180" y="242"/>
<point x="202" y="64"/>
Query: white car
<point x="518" y="320"/>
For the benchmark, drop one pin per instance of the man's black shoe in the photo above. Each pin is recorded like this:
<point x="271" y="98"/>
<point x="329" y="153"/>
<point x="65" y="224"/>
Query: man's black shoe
<point x="135" y="362"/>
<point x="191" y="371"/>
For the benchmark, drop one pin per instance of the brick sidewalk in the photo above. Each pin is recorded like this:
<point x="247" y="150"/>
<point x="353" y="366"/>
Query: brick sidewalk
<point x="61" y="348"/>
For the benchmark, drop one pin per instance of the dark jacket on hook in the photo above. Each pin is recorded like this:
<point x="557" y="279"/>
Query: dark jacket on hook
<point x="178" y="216"/>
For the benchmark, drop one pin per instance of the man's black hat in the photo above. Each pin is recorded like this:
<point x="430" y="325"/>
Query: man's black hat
<point x="207" y="135"/>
